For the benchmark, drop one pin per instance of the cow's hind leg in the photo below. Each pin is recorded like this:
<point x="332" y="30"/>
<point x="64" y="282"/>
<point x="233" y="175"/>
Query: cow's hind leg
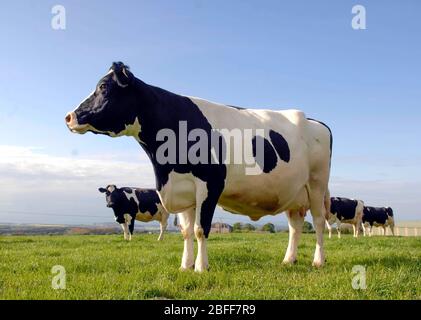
<point x="187" y="225"/>
<point x="392" y="228"/>
<point x="318" y="212"/>
<point x="295" y="224"/>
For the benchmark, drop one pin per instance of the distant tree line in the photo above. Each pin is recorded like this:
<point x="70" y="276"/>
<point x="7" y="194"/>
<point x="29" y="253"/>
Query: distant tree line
<point x="248" y="227"/>
<point x="268" y="227"/>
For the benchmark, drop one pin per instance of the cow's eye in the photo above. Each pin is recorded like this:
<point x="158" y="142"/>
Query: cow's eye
<point x="103" y="86"/>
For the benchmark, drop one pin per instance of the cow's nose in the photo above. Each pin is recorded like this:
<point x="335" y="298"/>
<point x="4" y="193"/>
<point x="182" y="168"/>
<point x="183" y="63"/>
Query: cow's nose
<point x="69" y="117"/>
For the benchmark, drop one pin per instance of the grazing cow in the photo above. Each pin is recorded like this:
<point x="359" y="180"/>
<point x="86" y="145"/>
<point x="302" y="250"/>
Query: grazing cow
<point x="130" y="204"/>
<point x="343" y="210"/>
<point x="378" y="217"/>
<point x="289" y="168"/>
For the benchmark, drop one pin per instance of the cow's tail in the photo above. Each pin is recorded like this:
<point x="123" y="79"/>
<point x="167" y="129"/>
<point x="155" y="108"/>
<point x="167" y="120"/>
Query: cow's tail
<point x="176" y="220"/>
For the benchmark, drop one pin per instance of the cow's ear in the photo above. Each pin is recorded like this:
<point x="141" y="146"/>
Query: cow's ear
<point x="102" y="190"/>
<point x="122" y="74"/>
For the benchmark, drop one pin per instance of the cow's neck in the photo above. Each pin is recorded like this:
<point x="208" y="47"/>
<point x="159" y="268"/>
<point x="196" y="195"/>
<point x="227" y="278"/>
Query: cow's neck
<point x="160" y="109"/>
<point x="155" y="111"/>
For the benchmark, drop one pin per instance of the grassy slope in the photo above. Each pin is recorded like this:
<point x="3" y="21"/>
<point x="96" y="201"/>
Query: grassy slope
<point x="243" y="266"/>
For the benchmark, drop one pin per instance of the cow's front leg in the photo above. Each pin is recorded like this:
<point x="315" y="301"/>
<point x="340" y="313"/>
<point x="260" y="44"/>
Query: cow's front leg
<point x="201" y="263"/>
<point x="338" y="229"/>
<point x="207" y="196"/>
<point x="329" y="228"/>
<point x="163" y="226"/>
<point x="125" y="228"/>
<point x="187" y="224"/>
<point x="295" y="224"/>
<point x="358" y="226"/>
<point x="355" y="230"/>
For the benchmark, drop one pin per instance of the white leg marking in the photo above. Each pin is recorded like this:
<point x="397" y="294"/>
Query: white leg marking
<point x="338" y="228"/>
<point x="201" y="263"/>
<point x="125" y="230"/>
<point x="318" y="212"/>
<point x="202" y="254"/>
<point x="163" y="225"/>
<point x="128" y="219"/>
<point x="329" y="227"/>
<point x="319" y="256"/>
<point x="295" y="224"/>
<point x="187" y="223"/>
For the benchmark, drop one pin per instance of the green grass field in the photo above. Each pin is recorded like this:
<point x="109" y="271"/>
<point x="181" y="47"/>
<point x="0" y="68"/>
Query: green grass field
<point x="243" y="266"/>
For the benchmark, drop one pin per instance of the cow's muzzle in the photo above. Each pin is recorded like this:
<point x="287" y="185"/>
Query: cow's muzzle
<point x="73" y="125"/>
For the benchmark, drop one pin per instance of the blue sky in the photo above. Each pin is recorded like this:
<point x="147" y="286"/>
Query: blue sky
<point x="264" y="54"/>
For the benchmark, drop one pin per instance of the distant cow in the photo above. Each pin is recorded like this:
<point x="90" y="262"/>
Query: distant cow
<point x="378" y="217"/>
<point x="343" y="210"/>
<point x="130" y="204"/>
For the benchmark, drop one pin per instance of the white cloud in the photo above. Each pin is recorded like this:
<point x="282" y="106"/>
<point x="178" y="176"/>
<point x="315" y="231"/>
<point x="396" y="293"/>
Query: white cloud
<point x="34" y="181"/>
<point x="34" y="164"/>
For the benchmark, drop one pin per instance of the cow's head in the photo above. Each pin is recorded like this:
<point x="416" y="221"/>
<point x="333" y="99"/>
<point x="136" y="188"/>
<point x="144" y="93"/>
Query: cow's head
<point x="115" y="197"/>
<point x="331" y="217"/>
<point x="389" y="211"/>
<point x="111" y="108"/>
<point x="331" y="210"/>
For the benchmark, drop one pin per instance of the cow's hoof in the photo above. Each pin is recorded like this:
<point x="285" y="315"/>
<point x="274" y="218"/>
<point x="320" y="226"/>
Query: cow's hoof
<point x="201" y="270"/>
<point x="318" y="264"/>
<point x="182" y="268"/>
<point x="289" y="262"/>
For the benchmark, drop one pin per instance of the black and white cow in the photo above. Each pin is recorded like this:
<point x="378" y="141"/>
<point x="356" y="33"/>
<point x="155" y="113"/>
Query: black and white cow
<point x="291" y="157"/>
<point x="343" y="210"/>
<point x="378" y="217"/>
<point x="130" y="204"/>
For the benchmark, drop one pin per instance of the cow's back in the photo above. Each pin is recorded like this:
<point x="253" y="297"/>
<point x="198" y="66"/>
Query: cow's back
<point x="297" y="146"/>
<point x="373" y="215"/>
<point x="149" y="205"/>
<point x="345" y="209"/>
